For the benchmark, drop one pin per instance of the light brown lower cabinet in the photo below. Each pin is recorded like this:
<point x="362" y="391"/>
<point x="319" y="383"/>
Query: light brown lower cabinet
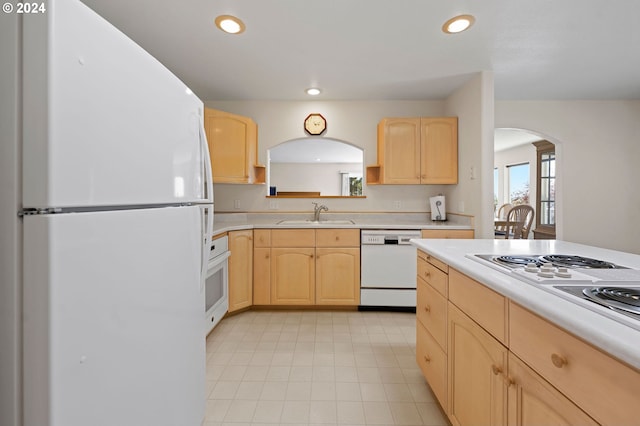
<point x="337" y="276"/>
<point x="507" y="365"/>
<point x="306" y="267"/>
<point x="293" y="272"/>
<point x="261" y="276"/>
<point x="533" y="401"/>
<point x="477" y="369"/>
<point x="240" y="269"/>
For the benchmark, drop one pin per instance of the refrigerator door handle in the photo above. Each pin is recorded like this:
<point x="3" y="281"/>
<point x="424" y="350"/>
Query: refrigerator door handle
<point x="208" y="179"/>
<point x="206" y="222"/>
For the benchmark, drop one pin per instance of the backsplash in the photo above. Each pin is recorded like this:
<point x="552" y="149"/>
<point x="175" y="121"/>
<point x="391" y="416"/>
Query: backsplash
<point x="232" y="198"/>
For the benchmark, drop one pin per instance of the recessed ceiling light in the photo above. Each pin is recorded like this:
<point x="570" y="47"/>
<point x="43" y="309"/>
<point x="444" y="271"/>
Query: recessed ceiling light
<point x="313" y="91"/>
<point x="458" y="24"/>
<point x="230" y="24"/>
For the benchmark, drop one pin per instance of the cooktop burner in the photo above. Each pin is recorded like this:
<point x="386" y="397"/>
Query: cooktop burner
<point x="557" y="260"/>
<point x="578" y="262"/>
<point x="627" y="299"/>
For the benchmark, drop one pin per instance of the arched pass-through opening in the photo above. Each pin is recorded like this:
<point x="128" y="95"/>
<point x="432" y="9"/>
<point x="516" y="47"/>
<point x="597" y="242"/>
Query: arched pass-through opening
<point x="514" y="147"/>
<point x="315" y="167"/>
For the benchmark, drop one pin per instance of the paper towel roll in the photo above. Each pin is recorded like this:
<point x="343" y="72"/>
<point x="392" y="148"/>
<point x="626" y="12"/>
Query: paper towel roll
<point x="438" y="208"/>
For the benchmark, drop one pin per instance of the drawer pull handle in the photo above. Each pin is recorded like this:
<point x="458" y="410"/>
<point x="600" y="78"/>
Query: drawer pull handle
<point x="558" y="360"/>
<point x="496" y="370"/>
<point x="427" y="358"/>
<point x="427" y="308"/>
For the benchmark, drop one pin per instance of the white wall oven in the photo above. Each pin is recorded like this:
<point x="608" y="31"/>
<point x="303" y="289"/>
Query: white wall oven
<point x="216" y="288"/>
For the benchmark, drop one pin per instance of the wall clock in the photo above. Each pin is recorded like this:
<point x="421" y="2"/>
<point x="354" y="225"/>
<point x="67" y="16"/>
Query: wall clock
<point x="315" y="124"/>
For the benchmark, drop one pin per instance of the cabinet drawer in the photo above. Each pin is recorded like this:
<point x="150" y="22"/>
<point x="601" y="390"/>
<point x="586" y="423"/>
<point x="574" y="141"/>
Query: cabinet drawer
<point x="602" y="386"/>
<point x="262" y="238"/>
<point x="293" y="238"/>
<point x="435" y="262"/>
<point x="431" y="310"/>
<point x="433" y="362"/>
<point x="483" y="305"/>
<point x="434" y="276"/>
<point x="448" y="233"/>
<point x="337" y="238"/>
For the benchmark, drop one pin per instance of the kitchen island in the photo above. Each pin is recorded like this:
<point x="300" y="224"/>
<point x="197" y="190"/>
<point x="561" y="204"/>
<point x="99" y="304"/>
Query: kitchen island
<point x="495" y="347"/>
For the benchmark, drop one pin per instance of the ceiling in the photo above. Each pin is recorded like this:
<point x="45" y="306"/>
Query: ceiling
<point x="390" y="50"/>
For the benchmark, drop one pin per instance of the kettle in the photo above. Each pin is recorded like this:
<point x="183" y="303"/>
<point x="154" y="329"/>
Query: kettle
<point x="438" y="208"/>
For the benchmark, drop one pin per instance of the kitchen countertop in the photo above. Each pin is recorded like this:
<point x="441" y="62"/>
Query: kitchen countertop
<point x="619" y="340"/>
<point x="224" y="222"/>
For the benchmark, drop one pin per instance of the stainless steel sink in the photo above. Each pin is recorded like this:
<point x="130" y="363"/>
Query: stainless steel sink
<point x="315" y="222"/>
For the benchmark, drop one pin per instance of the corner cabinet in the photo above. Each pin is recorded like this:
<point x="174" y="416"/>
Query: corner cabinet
<point x="416" y="151"/>
<point x="233" y="148"/>
<point x="240" y="270"/>
<point x="491" y="361"/>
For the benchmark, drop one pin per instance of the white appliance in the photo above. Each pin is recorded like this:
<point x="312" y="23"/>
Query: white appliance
<point x="388" y="269"/>
<point x="438" y="208"/>
<point x="216" y="287"/>
<point x="117" y="217"/>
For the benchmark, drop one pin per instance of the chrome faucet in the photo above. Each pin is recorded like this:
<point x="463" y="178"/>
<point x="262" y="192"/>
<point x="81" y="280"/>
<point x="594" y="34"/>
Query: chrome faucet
<point x="317" y="210"/>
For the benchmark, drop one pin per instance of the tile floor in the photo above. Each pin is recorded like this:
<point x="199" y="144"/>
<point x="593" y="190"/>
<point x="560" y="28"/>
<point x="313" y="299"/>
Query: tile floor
<point x="317" y="368"/>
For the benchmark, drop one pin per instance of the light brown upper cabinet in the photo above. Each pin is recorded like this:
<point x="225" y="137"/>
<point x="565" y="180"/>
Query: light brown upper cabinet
<point x="421" y="150"/>
<point x="233" y="147"/>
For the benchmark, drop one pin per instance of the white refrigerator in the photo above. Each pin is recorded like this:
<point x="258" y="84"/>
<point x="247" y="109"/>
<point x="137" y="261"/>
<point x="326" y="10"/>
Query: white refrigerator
<point x="117" y="210"/>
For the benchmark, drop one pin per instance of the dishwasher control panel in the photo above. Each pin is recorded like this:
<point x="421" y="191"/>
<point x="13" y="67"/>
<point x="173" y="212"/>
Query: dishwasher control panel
<point x="388" y="237"/>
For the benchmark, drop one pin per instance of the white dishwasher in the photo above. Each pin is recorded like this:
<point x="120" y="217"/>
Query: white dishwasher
<point x="388" y="269"/>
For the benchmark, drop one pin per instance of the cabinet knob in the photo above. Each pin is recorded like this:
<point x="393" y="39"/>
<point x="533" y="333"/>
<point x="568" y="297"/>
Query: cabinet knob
<point x="337" y="238"/>
<point x="427" y="274"/>
<point x="427" y="308"/>
<point x="558" y="360"/>
<point x="427" y="358"/>
<point x="511" y="381"/>
<point x="496" y="370"/>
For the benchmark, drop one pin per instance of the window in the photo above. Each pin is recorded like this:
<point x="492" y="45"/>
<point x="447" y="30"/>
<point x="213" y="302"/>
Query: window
<point x="518" y="183"/>
<point x="546" y="190"/>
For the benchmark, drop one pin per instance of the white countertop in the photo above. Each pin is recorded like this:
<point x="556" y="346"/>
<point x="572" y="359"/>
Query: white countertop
<point x="224" y="222"/>
<point x="619" y="340"/>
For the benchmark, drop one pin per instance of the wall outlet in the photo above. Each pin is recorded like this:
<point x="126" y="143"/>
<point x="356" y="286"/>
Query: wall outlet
<point x="397" y="205"/>
<point x="472" y="173"/>
<point x="273" y="204"/>
<point x="236" y="204"/>
<point x="461" y="206"/>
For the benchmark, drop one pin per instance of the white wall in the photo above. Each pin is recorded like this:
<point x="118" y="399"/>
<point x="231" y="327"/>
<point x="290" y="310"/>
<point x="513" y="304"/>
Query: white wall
<point x="598" y="147"/>
<point x="351" y="121"/>
<point x="473" y="104"/>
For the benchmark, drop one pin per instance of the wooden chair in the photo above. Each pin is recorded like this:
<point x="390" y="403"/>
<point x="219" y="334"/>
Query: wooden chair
<point x="503" y="211"/>
<point x="519" y="221"/>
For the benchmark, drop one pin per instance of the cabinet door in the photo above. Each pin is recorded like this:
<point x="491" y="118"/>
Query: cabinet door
<point x="476" y="380"/>
<point x="399" y="150"/>
<point x="261" y="276"/>
<point x="533" y="401"/>
<point x="337" y="276"/>
<point x="232" y="143"/>
<point x="240" y="269"/>
<point x="293" y="276"/>
<point x="439" y="150"/>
